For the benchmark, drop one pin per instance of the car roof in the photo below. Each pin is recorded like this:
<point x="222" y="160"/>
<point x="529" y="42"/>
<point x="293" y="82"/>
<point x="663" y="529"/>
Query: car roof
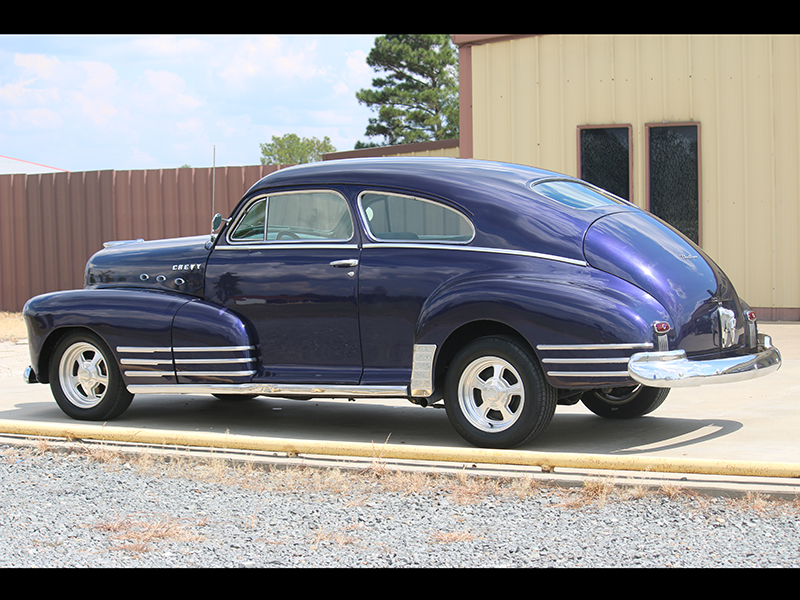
<point x="446" y="177"/>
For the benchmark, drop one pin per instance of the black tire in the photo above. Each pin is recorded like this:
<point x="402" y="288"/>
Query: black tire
<point x="624" y="402"/>
<point x="521" y="405"/>
<point x="85" y="379"/>
<point x="234" y="397"/>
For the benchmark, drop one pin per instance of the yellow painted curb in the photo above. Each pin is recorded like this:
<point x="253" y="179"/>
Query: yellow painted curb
<point x="292" y="447"/>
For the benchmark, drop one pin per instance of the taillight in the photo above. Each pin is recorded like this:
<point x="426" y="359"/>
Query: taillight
<point x="751" y="315"/>
<point x="661" y="326"/>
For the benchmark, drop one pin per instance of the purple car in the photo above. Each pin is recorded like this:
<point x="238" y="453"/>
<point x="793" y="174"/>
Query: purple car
<point x="500" y="290"/>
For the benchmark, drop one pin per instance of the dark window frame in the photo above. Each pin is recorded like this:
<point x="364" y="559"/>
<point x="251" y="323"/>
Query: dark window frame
<point x="648" y="127"/>
<point x="626" y="126"/>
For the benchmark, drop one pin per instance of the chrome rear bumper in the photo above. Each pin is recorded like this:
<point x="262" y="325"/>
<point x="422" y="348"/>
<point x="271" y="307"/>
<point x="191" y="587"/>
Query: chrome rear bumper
<point x="674" y="369"/>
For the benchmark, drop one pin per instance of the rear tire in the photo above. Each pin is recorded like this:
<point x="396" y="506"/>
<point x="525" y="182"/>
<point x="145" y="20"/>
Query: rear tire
<point x="85" y="380"/>
<point x="624" y="402"/>
<point x="496" y="395"/>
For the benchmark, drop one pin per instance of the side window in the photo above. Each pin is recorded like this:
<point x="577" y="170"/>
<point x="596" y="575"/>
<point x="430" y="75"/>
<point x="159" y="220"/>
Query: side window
<point x="251" y="227"/>
<point x="394" y="217"/>
<point x="296" y="216"/>
<point x="308" y="216"/>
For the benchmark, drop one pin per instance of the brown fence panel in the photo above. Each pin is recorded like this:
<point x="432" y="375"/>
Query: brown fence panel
<point x="51" y="223"/>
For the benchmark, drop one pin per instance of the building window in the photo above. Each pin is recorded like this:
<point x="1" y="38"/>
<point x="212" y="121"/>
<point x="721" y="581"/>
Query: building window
<point x="605" y="157"/>
<point x="673" y="174"/>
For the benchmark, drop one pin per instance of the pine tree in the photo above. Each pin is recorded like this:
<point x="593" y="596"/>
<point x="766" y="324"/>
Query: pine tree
<point x="417" y="97"/>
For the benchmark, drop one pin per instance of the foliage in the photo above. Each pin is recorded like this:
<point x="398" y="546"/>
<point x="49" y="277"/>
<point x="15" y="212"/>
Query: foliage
<point x="291" y="149"/>
<point x="417" y="98"/>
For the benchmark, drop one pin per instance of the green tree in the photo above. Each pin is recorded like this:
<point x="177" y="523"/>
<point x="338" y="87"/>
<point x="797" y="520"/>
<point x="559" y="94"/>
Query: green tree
<point x="291" y="149"/>
<point x="417" y="98"/>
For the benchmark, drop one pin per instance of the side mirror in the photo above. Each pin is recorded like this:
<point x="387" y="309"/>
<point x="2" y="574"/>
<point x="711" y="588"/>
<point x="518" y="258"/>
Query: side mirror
<point x="216" y="222"/>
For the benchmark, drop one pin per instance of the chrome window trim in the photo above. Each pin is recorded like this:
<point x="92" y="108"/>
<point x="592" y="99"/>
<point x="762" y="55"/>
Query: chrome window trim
<point x="283" y="243"/>
<point x="431" y="246"/>
<point x="304" y="245"/>
<point x="368" y="231"/>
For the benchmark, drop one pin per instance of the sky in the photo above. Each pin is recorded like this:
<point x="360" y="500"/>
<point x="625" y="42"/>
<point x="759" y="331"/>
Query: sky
<point x="92" y="102"/>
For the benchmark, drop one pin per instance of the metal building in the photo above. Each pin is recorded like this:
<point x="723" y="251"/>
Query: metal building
<point x="703" y="130"/>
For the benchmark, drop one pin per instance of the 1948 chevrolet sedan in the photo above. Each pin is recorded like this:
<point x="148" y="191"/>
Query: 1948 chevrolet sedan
<point x="499" y="289"/>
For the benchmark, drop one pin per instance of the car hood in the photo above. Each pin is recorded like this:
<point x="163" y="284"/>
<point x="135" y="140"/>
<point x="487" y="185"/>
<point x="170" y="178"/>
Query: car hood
<point x="643" y="250"/>
<point x="174" y="264"/>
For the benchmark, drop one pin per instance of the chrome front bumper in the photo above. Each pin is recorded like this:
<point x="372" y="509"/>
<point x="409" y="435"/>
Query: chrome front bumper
<point x="673" y="369"/>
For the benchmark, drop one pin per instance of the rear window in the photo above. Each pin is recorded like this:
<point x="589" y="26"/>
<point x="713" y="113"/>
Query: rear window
<point x="575" y="194"/>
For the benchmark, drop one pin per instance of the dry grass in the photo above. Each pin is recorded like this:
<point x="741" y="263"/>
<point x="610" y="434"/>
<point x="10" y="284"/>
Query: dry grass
<point x="12" y="327"/>
<point x="137" y="534"/>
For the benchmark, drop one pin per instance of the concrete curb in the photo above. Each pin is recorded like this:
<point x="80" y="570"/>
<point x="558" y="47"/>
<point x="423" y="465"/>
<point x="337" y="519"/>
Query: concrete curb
<point x="295" y="447"/>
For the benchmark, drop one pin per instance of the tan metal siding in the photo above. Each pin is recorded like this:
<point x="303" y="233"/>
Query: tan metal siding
<point x="51" y="223"/>
<point x="530" y="94"/>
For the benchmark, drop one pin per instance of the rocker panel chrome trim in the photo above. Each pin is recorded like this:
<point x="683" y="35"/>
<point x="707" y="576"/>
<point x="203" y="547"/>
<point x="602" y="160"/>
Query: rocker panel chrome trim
<point x="275" y="389"/>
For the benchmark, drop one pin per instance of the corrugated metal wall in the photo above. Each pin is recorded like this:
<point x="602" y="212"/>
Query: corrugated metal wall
<point x="50" y="224"/>
<point x="530" y="94"/>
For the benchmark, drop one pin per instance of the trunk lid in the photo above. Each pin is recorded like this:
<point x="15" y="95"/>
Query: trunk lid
<point x="643" y="250"/>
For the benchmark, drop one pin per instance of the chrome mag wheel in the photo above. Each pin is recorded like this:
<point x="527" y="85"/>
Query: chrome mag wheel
<point x="491" y="394"/>
<point x="83" y="374"/>
<point x="85" y="379"/>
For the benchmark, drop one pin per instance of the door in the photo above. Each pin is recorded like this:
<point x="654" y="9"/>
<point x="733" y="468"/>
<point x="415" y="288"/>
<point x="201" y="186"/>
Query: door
<point x="289" y="264"/>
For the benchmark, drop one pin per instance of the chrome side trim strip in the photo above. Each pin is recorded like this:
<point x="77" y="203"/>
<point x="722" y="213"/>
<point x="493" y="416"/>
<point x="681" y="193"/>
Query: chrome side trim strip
<point x="143" y="349"/>
<point x="422" y="370"/>
<point x="149" y="374"/>
<point x="642" y="346"/>
<point x="149" y="362"/>
<point x="598" y="361"/>
<point x="215" y="373"/>
<point x="216" y="361"/>
<point x="213" y="348"/>
<point x="276" y="389"/>
<point x="589" y="374"/>
<point x="432" y="246"/>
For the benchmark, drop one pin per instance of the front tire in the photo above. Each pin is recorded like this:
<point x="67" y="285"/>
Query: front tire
<point x="85" y="380"/>
<point x="496" y="395"/>
<point x="624" y="402"/>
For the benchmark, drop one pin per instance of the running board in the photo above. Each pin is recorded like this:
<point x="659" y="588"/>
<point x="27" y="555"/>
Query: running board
<point x="275" y="389"/>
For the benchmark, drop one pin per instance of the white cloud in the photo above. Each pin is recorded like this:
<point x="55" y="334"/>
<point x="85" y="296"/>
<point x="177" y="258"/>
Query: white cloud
<point x="170" y="46"/>
<point x="166" y="91"/>
<point x="34" y="118"/>
<point x="40" y="65"/>
<point x="357" y="67"/>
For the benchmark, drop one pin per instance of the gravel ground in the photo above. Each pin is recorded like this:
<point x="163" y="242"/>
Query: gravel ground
<point x="99" y="508"/>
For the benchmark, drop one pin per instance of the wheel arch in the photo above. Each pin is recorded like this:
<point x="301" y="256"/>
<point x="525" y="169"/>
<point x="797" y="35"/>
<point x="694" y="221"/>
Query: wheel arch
<point x="49" y="345"/>
<point x="469" y="332"/>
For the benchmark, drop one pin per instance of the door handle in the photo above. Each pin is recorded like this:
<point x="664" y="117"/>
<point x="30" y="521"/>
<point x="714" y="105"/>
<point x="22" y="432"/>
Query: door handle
<point x="348" y="262"/>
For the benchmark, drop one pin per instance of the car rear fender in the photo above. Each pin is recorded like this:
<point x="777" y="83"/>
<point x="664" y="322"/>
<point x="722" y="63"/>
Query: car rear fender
<point x="587" y="308"/>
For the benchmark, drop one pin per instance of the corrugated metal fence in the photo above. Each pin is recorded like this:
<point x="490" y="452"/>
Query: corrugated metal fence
<point x="51" y="223"/>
